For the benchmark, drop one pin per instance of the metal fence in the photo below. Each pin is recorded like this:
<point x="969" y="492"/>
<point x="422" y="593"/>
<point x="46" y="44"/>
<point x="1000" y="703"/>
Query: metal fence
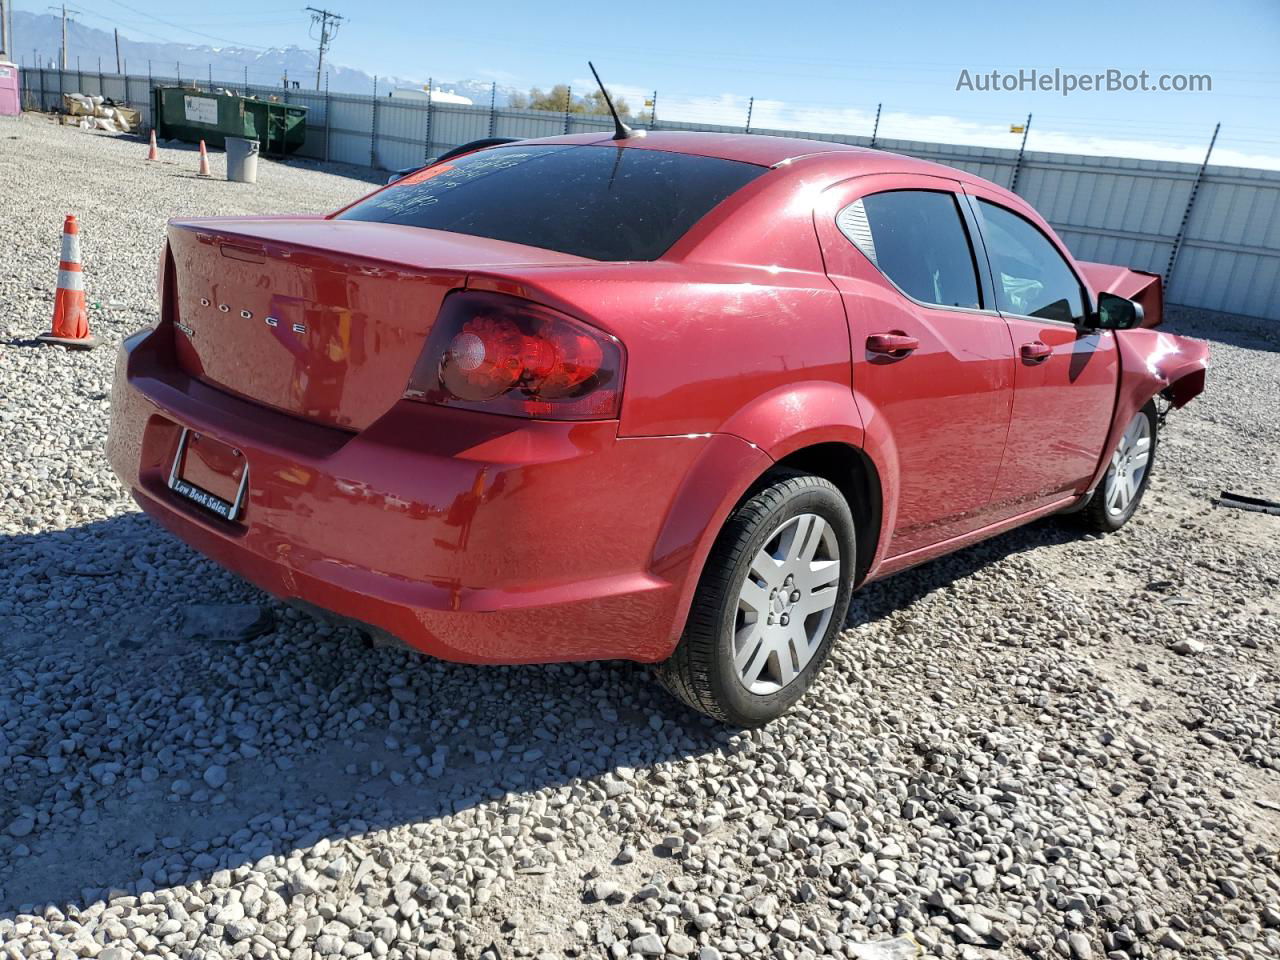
<point x="1213" y="234"/>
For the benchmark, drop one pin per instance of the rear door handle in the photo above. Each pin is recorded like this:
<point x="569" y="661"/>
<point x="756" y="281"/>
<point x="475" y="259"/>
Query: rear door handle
<point x="891" y="344"/>
<point x="1035" y="351"/>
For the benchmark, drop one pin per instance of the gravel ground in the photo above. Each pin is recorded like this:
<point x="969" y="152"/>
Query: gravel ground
<point x="1049" y="745"/>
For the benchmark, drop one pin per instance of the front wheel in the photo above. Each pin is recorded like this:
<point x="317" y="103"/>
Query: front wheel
<point x="772" y="597"/>
<point x="1127" y="476"/>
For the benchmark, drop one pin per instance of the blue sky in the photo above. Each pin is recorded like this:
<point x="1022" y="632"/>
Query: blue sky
<point x="817" y="64"/>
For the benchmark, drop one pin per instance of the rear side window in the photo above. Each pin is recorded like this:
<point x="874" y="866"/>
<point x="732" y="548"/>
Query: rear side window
<point x="605" y="203"/>
<point x="1032" y="278"/>
<point x="918" y="240"/>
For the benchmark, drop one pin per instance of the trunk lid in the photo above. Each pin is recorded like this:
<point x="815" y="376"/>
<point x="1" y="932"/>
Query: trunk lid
<point x="322" y="319"/>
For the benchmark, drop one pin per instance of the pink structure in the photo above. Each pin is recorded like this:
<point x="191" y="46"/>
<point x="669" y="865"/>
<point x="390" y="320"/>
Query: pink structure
<point x="10" y="101"/>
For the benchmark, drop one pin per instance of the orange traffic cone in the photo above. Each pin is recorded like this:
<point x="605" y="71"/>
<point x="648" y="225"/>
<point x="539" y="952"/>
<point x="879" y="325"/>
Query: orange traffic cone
<point x="204" y="161"/>
<point x="70" y="315"/>
<point x="153" y="153"/>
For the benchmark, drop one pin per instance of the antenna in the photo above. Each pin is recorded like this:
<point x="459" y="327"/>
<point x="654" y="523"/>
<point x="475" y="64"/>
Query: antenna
<point x="620" y="130"/>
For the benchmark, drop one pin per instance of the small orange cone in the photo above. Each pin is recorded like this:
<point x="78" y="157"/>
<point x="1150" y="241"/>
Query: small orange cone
<point x="204" y="161"/>
<point x="70" y="315"/>
<point x="153" y="153"/>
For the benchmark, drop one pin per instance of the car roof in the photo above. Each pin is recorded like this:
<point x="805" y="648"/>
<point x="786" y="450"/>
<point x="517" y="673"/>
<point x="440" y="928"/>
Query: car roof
<point x="764" y="150"/>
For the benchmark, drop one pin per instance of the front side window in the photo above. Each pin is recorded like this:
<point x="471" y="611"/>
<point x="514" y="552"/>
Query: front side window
<point x="1032" y="279"/>
<point x="918" y="240"/>
<point x="605" y="203"/>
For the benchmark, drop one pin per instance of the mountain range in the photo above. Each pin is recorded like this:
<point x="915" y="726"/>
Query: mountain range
<point x="38" y="39"/>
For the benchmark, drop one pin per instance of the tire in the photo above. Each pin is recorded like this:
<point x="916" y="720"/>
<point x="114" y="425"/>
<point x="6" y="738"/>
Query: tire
<point x="726" y="614"/>
<point x="1112" y="504"/>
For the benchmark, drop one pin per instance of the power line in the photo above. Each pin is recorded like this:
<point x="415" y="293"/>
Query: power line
<point x="65" y="13"/>
<point x="175" y="26"/>
<point x="324" y="19"/>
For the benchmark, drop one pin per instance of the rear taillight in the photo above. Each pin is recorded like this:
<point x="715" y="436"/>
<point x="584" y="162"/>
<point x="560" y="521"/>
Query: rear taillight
<point x="501" y="354"/>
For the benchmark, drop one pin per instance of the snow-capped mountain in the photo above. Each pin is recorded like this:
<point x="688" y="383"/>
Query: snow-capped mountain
<point x="38" y="38"/>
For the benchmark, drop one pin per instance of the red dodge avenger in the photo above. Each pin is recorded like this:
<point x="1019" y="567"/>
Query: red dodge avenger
<point x="668" y="399"/>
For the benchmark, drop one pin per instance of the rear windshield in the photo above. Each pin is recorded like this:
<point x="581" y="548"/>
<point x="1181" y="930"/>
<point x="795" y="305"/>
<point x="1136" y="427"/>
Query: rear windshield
<point x="605" y="203"/>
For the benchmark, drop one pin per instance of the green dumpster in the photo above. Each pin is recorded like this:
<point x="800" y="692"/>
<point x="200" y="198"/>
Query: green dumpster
<point x="183" y="113"/>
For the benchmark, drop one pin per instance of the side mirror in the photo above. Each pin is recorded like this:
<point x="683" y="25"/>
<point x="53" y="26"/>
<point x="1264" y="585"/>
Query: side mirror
<point x="1117" y="313"/>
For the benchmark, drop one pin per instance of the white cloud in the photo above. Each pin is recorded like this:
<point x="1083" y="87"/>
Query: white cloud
<point x="731" y="110"/>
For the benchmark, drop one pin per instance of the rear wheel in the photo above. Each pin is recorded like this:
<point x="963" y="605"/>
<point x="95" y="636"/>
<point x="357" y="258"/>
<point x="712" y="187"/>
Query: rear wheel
<point x="773" y="595"/>
<point x="1121" y="488"/>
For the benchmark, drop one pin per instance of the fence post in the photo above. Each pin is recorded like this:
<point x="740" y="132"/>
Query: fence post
<point x="875" y="130"/>
<point x="42" y="106"/>
<point x="493" y="106"/>
<point x="426" y="147"/>
<point x="751" y="105"/>
<point x="328" y="124"/>
<point x="1186" y="214"/>
<point x="373" y="128"/>
<point x="568" y="104"/>
<point x="1017" y="167"/>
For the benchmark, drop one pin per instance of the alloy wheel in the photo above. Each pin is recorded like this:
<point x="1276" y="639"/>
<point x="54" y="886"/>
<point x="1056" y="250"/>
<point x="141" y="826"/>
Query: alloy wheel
<point x="785" y="604"/>
<point x="1129" y="465"/>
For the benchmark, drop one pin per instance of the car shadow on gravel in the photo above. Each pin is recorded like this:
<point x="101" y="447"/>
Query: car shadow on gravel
<point x="133" y="758"/>
<point x="902" y="589"/>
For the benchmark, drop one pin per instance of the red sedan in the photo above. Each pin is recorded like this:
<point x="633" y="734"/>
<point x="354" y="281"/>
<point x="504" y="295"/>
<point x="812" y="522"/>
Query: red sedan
<point x="667" y="399"/>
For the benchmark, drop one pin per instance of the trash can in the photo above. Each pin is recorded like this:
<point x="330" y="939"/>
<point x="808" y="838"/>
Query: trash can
<point x="242" y="160"/>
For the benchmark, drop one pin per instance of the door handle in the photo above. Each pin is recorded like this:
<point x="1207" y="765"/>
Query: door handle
<point x="891" y="344"/>
<point x="1035" y="351"/>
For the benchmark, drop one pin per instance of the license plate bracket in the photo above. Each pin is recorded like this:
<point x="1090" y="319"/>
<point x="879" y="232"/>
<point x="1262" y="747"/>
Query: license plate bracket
<point x="216" y="464"/>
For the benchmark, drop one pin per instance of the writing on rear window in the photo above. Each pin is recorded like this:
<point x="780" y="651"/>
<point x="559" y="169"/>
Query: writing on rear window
<point x="603" y="202"/>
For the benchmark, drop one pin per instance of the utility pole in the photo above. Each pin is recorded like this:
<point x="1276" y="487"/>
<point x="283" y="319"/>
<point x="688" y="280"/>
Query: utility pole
<point x="65" y="12"/>
<point x="328" y="23"/>
<point x="7" y="46"/>
<point x="117" y="32"/>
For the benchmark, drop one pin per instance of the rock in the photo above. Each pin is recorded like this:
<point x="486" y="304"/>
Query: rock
<point x="226" y="622"/>
<point x="897" y="948"/>
<point x="1188" y="647"/>
<point x="984" y="878"/>
<point x="648" y="945"/>
<point x="1081" y="948"/>
<point x="215" y="776"/>
<point x="21" y="827"/>
<point x="1170" y="939"/>
<point x="680" y="945"/>
<point x="837" y="819"/>
<point x="601" y="890"/>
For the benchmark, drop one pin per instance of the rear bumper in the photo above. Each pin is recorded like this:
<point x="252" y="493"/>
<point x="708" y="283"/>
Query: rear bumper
<point x="472" y="537"/>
